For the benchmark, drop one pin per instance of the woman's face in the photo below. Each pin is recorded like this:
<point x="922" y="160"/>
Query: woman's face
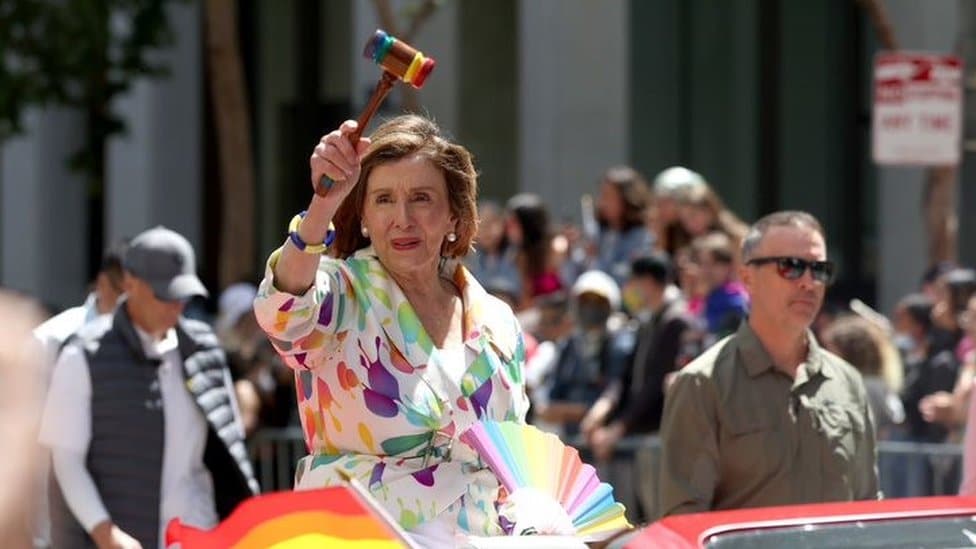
<point x="696" y="219"/>
<point x="408" y="215"/>
<point x="689" y="275"/>
<point x="513" y="229"/>
<point x="666" y="210"/>
<point x="610" y="204"/>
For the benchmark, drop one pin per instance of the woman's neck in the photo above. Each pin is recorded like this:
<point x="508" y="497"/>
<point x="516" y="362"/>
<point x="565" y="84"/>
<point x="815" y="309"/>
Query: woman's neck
<point x="422" y="286"/>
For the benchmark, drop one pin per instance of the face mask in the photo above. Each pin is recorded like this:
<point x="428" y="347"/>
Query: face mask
<point x="904" y="343"/>
<point x="592" y="316"/>
<point x="634" y="300"/>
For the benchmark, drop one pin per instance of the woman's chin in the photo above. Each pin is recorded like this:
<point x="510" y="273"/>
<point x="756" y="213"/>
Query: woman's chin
<point x="409" y="260"/>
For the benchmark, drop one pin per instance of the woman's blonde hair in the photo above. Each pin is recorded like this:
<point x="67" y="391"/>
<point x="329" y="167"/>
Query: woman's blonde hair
<point x="865" y="345"/>
<point x="399" y="138"/>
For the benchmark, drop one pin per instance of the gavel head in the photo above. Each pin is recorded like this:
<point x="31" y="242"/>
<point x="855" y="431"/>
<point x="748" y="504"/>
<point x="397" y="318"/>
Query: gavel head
<point x="399" y="58"/>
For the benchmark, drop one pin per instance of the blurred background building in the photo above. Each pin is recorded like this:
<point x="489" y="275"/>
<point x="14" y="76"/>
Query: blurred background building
<point x="769" y="99"/>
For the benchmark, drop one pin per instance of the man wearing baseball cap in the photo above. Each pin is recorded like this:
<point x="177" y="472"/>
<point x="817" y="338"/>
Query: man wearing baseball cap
<point x="140" y="418"/>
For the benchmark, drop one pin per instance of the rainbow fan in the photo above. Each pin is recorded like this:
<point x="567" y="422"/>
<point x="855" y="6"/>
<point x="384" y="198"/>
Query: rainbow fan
<point x="522" y="456"/>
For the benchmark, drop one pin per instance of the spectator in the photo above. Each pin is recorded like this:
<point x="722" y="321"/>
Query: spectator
<point x="691" y="280"/>
<point x="240" y="336"/>
<point x="952" y="292"/>
<point x="591" y="358"/>
<point x="954" y="315"/>
<point x="727" y="301"/>
<point x="665" y="215"/>
<point x="493" y="259"/>
<point x="133" y="442"/>
<point x="702" y="212"/>
<point x="766" y="416"/>
<point x="664" y="322"/>
<point x="52" y="335"/>
<point x="857" y="341"/>
<point x="932" y="275"/>
<point x="620" y="211"/>
<point x="106" y="291"/>
<point x="527" y="228"/>
<point x="928" y="370"/>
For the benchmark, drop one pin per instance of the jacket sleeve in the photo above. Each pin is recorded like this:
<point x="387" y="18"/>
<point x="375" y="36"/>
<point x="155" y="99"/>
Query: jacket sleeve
<point x="298" y="324"/>
<point x="689" y="446"/>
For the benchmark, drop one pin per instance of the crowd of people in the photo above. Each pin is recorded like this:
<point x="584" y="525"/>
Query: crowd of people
<point x="399" y="312"/>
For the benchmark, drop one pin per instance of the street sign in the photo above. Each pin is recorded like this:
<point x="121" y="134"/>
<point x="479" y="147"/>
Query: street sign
<point x="917" y="109"/>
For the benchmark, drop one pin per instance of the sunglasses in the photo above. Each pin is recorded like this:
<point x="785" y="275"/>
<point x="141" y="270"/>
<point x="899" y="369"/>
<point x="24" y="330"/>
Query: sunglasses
<point x="792" y="268"/>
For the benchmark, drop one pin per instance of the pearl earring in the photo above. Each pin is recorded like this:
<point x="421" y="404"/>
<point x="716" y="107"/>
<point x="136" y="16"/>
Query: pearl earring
<point x="451" y="237"/>
<point x="364" y="231"/>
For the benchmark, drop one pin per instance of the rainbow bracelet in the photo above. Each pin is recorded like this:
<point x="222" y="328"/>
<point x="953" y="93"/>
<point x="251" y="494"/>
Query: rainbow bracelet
<point x="314" y="249"/>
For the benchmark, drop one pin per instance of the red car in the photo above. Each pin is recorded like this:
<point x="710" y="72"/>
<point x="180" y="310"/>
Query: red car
<point x="943" y="521"/>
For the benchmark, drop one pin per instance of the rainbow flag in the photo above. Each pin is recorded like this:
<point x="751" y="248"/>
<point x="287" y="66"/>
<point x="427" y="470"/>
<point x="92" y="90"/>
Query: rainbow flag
<point x="329" y="517"/>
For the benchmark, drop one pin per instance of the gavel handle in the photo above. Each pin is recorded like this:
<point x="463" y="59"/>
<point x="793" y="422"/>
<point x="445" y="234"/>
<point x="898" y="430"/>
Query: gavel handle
<point x="383" y="88"/>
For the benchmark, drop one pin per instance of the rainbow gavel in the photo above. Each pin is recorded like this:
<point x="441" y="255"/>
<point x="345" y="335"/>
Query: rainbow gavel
<point x="399" y="58"/>
<point x="399" y="61"/>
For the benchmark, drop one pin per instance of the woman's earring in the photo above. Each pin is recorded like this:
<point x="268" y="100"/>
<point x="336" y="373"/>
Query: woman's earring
<point x="364" y="231"/>
<point x="451" y="237"/>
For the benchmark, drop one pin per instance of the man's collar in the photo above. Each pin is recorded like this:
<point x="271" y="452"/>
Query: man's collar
<point x="757" y="359"/>
<point x="155" y="348"/>
<point x="754" y="354"/>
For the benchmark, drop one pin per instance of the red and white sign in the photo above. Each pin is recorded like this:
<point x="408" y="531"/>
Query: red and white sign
<point x="917" y="109"/>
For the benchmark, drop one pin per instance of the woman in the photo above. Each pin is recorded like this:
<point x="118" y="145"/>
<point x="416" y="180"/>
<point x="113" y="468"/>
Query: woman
<point x="493" y="261"/>
<point x="397" y="349"/>
<point x="702" y="212"/>
<point x="952" y="292"/>
<point x="664" y="217"/>
<point x="954" y="317"/>
<point x="537" y="258"/>
<point x="621" y="209"/>
<point x="860" y="343"/>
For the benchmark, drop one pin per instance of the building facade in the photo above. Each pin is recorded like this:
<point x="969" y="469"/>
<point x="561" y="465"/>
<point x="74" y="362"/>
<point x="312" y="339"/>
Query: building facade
<point x="769" y="99"/>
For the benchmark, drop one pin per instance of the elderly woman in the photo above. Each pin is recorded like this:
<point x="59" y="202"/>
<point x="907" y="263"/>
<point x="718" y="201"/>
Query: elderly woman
<point x="397" y="349"/>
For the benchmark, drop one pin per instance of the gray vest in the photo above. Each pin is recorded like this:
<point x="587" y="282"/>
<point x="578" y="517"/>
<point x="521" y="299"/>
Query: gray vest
<point x="126" y="451"/>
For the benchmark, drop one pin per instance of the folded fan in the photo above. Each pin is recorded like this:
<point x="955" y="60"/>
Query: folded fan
<point x="522" y="456"/>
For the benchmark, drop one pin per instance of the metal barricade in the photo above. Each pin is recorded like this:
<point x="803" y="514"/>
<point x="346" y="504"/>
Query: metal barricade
<point x="906" y="469"/>
<point x="274" y="454"/>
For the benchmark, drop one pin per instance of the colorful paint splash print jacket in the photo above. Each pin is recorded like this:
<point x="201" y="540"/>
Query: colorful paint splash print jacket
<point x="381" y="403"/>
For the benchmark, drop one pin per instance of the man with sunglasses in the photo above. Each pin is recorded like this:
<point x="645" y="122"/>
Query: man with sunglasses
<point x="766" y="416"/>
<point x="141" y="419"/>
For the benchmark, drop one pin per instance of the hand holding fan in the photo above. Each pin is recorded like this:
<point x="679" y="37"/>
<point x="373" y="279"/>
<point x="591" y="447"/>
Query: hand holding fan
<point x="535" y="467"/>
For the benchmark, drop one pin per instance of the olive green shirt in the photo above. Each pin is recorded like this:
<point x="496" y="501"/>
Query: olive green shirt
<point x="737" y="432"/>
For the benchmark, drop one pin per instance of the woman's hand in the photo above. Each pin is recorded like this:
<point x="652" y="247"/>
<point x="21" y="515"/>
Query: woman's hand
<point x="336" y="159"/>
